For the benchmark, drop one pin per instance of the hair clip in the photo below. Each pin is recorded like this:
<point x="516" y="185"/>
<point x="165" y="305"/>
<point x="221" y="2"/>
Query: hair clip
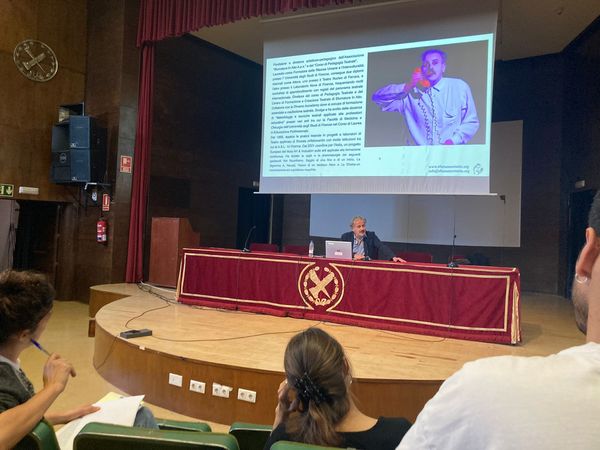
<point x="309" y="390"/>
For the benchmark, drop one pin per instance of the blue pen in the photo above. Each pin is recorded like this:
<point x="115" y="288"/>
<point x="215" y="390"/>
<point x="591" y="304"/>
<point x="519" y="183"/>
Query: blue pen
<point x="37" y="344"/>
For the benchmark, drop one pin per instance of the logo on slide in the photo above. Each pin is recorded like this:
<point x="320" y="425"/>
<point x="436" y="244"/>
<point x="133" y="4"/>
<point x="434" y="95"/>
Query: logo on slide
<point x="321" y="285"/>
<point x="477" y="169"/>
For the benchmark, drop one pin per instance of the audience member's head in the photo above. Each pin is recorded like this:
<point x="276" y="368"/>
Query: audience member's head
<point x="318" y="377"/>
<point x="25" y="299"/>
<point x="584" y="291"/>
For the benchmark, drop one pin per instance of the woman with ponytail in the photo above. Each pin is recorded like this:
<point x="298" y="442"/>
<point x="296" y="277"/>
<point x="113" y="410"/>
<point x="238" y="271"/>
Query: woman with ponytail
<point x="315" y="404"/>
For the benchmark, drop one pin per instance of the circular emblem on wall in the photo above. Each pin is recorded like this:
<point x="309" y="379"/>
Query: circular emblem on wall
<point x="321" y="285"/>
<point x="35" y="60"/>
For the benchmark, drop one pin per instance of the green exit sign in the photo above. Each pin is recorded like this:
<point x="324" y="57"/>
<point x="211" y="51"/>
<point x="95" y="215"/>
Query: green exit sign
<point x="7" y="190"/>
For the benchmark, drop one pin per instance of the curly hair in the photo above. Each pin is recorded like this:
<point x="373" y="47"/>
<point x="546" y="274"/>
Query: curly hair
<point x="25" y="298"/>
<point x="316" y="359"/>
<point x="356" y="218"/>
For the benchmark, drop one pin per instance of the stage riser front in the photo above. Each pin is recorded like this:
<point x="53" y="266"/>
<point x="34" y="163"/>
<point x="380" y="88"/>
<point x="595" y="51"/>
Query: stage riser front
<point x="143" y="371"/>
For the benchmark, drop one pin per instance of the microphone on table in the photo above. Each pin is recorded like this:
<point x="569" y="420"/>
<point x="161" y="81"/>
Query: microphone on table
<point x="453" y="264"/>
<point x="246" y="249"/>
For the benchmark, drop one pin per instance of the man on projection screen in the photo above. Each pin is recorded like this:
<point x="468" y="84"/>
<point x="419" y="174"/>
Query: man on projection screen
<point x="437" y="110"/>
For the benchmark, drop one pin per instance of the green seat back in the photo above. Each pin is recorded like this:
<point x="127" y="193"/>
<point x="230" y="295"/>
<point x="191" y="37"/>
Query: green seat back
<point x="168" y="424"/>
<point x="250" y="436"/>
<point x="42" y="437"/>
<point x="286" y="445"/>
<point x="116" y="437"/>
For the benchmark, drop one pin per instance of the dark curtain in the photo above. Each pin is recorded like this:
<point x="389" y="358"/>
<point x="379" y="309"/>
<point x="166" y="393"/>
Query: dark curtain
<point x="167" y="18"/>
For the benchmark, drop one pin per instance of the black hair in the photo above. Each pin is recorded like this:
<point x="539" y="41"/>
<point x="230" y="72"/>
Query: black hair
<point x="25" y="299"/>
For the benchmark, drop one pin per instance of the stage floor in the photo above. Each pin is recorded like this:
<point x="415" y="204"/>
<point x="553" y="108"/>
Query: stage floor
<point x="245" y="350"/>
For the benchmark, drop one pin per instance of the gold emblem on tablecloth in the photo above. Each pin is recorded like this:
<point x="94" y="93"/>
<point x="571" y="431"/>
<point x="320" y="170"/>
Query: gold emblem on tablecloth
<point x="321" y="285"/>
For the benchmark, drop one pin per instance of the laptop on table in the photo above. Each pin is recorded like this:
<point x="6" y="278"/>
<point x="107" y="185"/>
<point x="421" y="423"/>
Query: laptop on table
<point x="338" y="250"/>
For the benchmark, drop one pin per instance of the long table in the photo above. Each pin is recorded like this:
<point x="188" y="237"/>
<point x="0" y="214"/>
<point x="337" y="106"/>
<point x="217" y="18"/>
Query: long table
<point x="467" y="302"/>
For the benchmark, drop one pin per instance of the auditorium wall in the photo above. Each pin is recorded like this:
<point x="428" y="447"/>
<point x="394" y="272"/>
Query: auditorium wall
<point x="28" y="108"/>
<point x="206" y="138"/>
<point x="111" y="96"/>
<point x="582" y="108"/>
<point x="27" y="112"/>
<point x="98" y="63"/>
<point x="531" y="90"/>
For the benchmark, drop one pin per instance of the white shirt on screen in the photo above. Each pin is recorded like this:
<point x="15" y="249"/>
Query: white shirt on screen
<point x="443" y="112"/>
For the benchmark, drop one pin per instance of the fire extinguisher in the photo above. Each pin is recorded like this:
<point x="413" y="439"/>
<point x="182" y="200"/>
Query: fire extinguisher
<point x="101" y="230"/>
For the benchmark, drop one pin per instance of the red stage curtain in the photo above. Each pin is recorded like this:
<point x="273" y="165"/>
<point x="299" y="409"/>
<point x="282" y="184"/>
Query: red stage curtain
<point x="141" y="167"/>
<point x="166" y="18"/>
<point x="159" y="19"/>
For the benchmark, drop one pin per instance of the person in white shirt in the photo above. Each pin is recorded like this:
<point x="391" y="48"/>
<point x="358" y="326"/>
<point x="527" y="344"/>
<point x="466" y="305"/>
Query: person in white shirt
<point x="511" y="402"/>
<point x="437" y="110"/>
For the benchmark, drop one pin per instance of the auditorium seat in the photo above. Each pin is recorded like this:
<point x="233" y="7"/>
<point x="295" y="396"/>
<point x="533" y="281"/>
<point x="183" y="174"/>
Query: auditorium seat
<point x="296" y="249"/>
<point x="250" y="436"/>
<point x="286" y="445"/>
<point x="95" y="436"/>
<point x="259" y="247"/>
<point x="416" y="257"/>
<point x="170" y="424"/>
<point x="42" y="437"/>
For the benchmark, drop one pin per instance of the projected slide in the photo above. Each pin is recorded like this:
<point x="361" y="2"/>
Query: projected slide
<point x="408" y="118"/>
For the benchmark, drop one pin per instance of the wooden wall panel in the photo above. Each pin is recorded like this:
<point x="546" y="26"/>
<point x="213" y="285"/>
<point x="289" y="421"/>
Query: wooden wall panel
<point x="111" y="35"/>
<point x="207" y="122"/>
<point x="60" y="25"/>
<point x="145" y="371"/>
<point x="19" y="22"/>
<point x="28" y="108"/>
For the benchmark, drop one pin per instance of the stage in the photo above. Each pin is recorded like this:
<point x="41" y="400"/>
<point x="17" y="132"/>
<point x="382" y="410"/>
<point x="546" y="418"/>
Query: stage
<point x="394" y="373"/>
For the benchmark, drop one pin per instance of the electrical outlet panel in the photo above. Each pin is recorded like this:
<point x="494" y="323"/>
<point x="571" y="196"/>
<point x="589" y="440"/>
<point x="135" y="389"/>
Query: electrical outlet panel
<point x="220" y="390"/>
<point x="175" y="379"/>
<point x="197" y="386"/>
<point x="246" y="395"/>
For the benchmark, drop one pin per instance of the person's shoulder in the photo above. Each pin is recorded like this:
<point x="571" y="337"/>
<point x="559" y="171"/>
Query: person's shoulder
<point x="494" y="364"/>
<point x="393" y="423"/>
<point x="346" y="235"/>
<point x="591" y="349"/>
<point x="503" y="372"/>
<point x="387" y="433"/>
<point x="6" y="370"/>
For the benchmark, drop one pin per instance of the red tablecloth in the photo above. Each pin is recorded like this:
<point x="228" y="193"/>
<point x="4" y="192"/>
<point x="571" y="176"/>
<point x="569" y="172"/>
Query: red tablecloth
<point x="469" y="302"/>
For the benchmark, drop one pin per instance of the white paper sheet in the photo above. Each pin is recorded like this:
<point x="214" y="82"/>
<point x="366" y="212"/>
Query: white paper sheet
<point x="120" y="411"/>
